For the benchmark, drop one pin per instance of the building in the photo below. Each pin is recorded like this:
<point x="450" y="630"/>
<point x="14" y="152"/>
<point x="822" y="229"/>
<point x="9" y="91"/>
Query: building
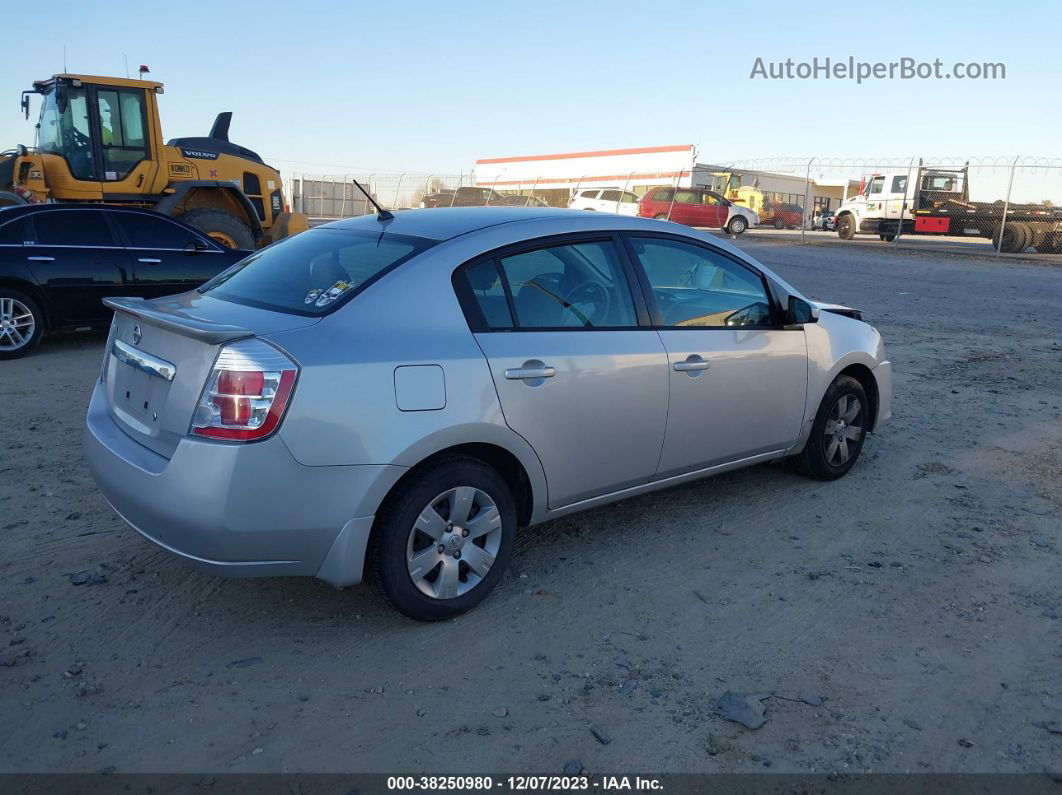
<point x="555" y="178"/>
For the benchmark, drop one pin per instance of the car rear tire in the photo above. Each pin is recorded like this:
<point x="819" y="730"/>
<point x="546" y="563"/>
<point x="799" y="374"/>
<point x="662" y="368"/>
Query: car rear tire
<point x="737" y="225"/>
<point x="21" y="324"/>
<point x="779" y="223"/>
<point x="838" y="432"/>
<point x="443" y="541"/>
<point x="845" y="227"/>
<point x="221" y="227"/>
<point x="660" y="217"/>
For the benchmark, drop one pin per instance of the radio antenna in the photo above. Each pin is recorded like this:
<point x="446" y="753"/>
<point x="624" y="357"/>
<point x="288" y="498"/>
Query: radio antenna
<point x="381" y="213"/>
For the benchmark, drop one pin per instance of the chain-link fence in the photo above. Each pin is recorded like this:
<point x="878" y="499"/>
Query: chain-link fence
<point x="329" y="197"/>
<point x="989" y="206"/>
<point x="986" y="205"/>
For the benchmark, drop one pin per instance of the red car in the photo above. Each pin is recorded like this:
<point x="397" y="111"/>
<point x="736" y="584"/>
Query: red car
<point x="782" y="215"/>
<point x="691" y="206"/>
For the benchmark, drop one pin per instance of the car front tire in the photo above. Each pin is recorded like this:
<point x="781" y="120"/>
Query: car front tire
<point x="21" y="324"/>
<point x="846" y="228"/>
<point x="443" y="540"/>
<point x="838" y="433"/>
<point x="737" y="225"/>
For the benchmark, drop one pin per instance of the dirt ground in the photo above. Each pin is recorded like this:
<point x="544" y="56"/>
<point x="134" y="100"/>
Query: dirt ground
<point x="905" y="618"/>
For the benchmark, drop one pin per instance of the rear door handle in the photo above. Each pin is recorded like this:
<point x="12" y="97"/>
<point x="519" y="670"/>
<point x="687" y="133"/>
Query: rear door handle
<point x="693" y="362"/>
<point x="521" y="373"/>
<point x="41" y="259"/>
<point x="150" y="260"/>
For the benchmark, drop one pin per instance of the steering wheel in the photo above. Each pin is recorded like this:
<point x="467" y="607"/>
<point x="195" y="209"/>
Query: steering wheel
<point x="81" y="141"/>
<point x="589" y="293"/>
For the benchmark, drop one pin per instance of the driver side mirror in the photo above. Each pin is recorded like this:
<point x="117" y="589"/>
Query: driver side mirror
<point x="196" y="246"/>
<point x="800" y="312"/>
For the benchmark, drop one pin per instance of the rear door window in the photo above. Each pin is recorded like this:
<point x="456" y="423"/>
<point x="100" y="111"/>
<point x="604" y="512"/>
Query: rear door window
<point x="11" y="233"/>
<point x="315" y="272"/>
<point x="577" y="285"/>
<point x="72" y="228"/>
<point x="483" y="284"/>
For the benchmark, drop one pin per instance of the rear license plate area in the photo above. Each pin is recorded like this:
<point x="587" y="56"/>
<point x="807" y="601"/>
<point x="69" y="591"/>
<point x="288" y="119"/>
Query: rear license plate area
<point x="138" y="397"/>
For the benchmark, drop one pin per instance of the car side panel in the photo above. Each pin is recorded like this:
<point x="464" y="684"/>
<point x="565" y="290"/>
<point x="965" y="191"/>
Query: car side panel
<point x="834" y="343"/>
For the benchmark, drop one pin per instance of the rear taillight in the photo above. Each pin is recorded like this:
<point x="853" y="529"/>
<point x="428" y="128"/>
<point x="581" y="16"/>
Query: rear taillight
<point x="246" y="394"/>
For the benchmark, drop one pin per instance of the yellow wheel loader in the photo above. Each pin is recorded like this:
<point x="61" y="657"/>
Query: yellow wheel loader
<point x="99" y="139"/>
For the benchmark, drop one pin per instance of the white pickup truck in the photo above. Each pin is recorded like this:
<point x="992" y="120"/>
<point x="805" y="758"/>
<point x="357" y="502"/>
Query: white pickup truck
<point x="936" y="201"/>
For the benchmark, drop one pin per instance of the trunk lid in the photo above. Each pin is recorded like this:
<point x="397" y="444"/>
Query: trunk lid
<point x="160" y="353"/>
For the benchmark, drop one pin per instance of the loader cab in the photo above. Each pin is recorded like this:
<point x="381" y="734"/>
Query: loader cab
<point x="101" y="137"/>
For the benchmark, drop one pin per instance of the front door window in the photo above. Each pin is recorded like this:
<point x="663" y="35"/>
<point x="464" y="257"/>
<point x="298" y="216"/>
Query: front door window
<point x="64" y="129"/>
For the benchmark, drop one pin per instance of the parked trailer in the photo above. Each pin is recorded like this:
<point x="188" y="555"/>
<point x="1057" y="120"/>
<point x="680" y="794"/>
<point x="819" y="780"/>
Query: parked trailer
<point x="937" y="202"/>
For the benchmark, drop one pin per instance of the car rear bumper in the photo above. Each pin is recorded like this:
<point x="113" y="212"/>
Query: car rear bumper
<point x="239" y="510"/>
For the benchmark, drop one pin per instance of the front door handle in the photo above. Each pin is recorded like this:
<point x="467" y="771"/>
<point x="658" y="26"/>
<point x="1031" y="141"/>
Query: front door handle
<point x="150" y="260"/>
<point x="693" y="363"/>
<point x="523" y="373"/>
<point x="41" y="259"/>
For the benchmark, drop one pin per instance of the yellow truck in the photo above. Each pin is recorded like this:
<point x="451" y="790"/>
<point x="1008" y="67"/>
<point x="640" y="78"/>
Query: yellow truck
<point x="99" y="139"/>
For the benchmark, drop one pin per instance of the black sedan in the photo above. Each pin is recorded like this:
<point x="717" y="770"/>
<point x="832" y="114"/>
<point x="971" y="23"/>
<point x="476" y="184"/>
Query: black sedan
<point x="57" y="263"/>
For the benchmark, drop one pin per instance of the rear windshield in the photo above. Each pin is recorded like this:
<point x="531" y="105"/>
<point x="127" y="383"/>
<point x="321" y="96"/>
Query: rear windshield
<point x="316" y="272"/>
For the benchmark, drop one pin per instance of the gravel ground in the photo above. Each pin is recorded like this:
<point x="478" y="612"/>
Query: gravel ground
<point x="905" y="618"/>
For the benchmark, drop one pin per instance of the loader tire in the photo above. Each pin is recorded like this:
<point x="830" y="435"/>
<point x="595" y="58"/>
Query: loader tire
<point x="221" y="227"/>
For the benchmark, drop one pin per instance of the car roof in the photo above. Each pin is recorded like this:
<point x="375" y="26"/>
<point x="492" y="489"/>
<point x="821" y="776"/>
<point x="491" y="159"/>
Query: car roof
<point x="16" y="210"/>
<point x="443" y="223"/>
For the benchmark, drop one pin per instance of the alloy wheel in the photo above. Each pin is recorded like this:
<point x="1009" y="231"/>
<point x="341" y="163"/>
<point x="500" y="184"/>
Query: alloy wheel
<point x="454" y="542"/>
<point x="843" y="426"/>
<point x="16" y="324"/>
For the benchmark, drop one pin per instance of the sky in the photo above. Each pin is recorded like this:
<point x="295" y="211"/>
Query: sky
<point x="346" y="87"/>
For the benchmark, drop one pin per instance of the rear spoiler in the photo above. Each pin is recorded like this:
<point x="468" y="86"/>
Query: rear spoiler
<point x="211" y="333"/>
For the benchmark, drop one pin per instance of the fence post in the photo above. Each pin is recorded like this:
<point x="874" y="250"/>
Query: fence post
<point x="573" y="193"/>
<point x="626" y="183"/>
<point x="674" y="191"/>
<point x="804" y="209"/>
<point x="428" y="187"/>
<point x="903" y="204"/>
<point x="1006" y="204"/>
<point x="534" y="187"/>
<point x="398" y="187"/>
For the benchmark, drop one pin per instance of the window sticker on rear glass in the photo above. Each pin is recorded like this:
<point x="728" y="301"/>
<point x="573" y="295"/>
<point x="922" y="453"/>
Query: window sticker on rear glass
<point x="332" y="293"/>
<point x="312" y="295"/>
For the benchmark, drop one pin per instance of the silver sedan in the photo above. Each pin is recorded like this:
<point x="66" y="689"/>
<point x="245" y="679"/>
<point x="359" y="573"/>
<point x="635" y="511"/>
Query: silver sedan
<point x="403" y="393"/>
